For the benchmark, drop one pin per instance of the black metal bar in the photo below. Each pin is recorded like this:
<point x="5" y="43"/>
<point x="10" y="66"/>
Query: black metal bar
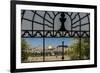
<point x="43" y="18"/>
<point x="80" y="37"/>
<point x="89" y="22"/>
<point x="71" y="13"/>
<point x="22" y="15"/>
<point x="81" y="25"/>
<point x="44" y="38"/>
<point x="80" y="19"/>
<point x="50" y="16"/>
<point x="33" y="22"/>
<point x="37" y="22"/>
<point x="57" y="30"/>
<point x="62" y="50"/>
<point x="53" y="13"/>
<point x="74" y="16"/>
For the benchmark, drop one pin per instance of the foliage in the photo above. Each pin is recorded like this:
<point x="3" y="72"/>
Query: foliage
<point x="24" y="46"/>
<point x="85" y="48"/>
<point x="80" y="49"/>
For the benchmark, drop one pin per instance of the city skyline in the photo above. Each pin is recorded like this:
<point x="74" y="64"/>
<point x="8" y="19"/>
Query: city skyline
<point x="54" y="42"/>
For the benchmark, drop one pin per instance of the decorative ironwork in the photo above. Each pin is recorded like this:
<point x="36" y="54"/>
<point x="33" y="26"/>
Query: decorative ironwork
<point x="53" y="24"/>
<point x="45" y="24"/>
<point x="62" y="20"/>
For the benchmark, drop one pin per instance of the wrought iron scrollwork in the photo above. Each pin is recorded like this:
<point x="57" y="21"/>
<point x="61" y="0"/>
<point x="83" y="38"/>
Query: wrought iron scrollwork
<point x="53" y="24"/>
<point x="45" y="22"/>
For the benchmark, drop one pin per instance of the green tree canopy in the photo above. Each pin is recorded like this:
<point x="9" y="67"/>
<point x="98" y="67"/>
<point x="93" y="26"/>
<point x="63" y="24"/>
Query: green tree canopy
<point x="80" y="48"/>
<point x="24" y="46"/>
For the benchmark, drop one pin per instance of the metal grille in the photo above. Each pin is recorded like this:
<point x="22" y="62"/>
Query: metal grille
<point x="54" y="24"/>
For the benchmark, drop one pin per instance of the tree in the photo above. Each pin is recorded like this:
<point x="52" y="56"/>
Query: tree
<point x="85" y="48"/>
<point x="24" y="46"/>
<point x="74" y="50"/>
<point x="80" y="49"/>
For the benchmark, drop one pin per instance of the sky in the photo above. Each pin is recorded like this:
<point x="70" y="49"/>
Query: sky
<point x="34" y="42"/>
<point x="38" y="42"/>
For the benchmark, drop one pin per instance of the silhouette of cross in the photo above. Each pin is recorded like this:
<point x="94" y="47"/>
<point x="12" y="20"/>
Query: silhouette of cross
<point x="63" y="46"/>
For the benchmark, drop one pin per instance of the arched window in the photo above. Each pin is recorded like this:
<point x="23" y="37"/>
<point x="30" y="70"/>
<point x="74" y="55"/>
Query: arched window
<point x="56" y="28"/>
<point x="35" y="22"/>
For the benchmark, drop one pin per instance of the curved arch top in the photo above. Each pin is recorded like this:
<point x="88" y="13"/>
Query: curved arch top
<point x="53" y="21"/>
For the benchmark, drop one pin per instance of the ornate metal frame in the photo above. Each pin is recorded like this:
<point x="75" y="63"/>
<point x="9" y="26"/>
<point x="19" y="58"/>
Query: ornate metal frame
<point x="63" y="32"/>
<point x="77" y="20"/>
